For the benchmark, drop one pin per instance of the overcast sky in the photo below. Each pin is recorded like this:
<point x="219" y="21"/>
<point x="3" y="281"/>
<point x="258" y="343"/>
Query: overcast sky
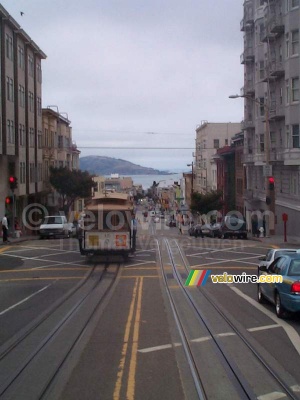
<point x="138" y="73"/>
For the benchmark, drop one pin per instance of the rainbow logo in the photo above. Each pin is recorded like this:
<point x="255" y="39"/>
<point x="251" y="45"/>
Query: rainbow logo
<point x="197" y="277"/>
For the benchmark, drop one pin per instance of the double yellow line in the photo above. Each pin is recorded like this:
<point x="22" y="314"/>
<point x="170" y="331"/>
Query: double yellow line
<point x="133" y="320"/>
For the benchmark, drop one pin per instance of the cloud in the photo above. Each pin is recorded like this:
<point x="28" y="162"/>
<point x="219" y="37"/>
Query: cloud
<point x="121" y="69"/>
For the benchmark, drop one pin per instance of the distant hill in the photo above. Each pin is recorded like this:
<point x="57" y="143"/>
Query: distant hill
<point x="101" y="165"/>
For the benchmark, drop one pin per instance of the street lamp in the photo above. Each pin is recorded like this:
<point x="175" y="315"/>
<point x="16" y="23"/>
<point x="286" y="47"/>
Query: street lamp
<point x="270" y="194"/>
<point x="192" y="165"/>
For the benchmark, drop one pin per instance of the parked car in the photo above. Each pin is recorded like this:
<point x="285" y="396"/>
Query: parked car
<point x="196" y="230"/>
<point x="272" y="254"/>
<point x="171" y="223"/>
<point x="211" y="230"/>
<point x="54" y="226"/>
<point x="285" y="295"/>
<point x="232" y="226"/>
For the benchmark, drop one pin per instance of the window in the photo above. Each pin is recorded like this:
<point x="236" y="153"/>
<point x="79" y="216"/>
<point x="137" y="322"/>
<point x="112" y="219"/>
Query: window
<point x="261" y="106"/>
<point x="39" y="72"/>
<point x="295" y="42"/>
<point x="294" y="3"/>
<point x="22" y="172"/>
<point x="21" y="96"/>
<point x="216" y="143"/>
<point x="60" y="141"/>
<point x="281" y="96"/>
<point x="226" y="142"/>
<point x="10" y="131"/>
<point x="9" y="46"/>
<point x="30" y="66"/>
<point x="261" y="70"/>
<point x="22" y="135"/>
<point x="262" y="142"/>
<point x="10" y="88"/>
<point x="295" y="89"/>
<point x="39" y="106"/>
<point x="21" y="59"/>
<point x="295" y="136"/>
<point x="40" y="172"/>
<point x="39" y="139"/>
<point x="31" y="137"/>
<point x="273" y="141"/>
<point x="31" y="102"/>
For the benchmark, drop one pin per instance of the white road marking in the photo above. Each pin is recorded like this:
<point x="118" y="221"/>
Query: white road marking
<point x="272" y="396"/>
<point x="202" y="339"/>
<point x="24" y="300"/>
<point x="156" y="348"/>
<point x="262" y="328"/>
<point x="295" y="388"/>
<point x="290" y="331"/>
<point x="140" y="263"/>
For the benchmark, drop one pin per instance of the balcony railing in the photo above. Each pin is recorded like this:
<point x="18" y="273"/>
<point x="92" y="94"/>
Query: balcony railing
<point x="247" y="56"/>
<point x="277" y="111"/>
<point x="247" y="124"/>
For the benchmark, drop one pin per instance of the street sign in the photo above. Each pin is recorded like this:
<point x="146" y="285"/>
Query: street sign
<point x="267" y="170"/>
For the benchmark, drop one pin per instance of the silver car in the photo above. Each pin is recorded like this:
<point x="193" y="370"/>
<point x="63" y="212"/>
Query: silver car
<point x="272" y="254"/>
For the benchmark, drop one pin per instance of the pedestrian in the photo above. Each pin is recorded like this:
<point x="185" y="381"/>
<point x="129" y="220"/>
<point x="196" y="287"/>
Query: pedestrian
<point x="5" y="229"/>
<point x="133" y="230"/>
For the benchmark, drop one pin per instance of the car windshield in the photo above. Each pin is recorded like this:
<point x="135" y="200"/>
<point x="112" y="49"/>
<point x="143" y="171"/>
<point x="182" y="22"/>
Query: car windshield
<point x="52" y="220"/>
<point x="283" y="252"/>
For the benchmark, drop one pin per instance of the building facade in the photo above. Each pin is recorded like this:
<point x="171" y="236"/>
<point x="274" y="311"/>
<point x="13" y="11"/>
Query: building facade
<point x="59" y="150"/>
<point x="209" y="138"/>
<point x="21" y="153"/>
<point x="271" y="109"/>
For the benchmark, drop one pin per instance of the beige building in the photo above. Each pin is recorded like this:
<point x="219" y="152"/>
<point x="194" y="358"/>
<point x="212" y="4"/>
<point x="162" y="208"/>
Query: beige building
<point x="209" y="138"/>
<point x="21" y="115"/>
<point x="59" y="150"/>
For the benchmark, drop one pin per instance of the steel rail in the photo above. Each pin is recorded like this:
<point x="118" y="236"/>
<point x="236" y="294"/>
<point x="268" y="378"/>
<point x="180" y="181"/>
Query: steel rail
<point x="283" y="385"/>
<point x="55" y="331"/>
<point x="185" y="343"/>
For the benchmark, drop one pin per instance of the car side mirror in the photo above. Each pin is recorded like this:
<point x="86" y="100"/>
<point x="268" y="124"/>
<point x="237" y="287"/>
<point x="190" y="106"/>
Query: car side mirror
<point x="263" y="268"/>
<point x="263" y="258"/>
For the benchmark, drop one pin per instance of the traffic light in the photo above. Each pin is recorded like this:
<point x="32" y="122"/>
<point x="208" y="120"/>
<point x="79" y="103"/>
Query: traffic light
<point x="8" y="200"/>
<point x="271" y="183"/>
<point x="13" y="182"/>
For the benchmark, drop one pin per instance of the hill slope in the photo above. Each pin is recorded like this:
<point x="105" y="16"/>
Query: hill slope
<point x="101" y="165"/>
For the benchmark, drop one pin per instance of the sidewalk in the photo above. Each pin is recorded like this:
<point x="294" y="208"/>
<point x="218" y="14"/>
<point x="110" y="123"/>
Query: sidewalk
<point x="19" y="239"/>
<point x="278" y="240"/>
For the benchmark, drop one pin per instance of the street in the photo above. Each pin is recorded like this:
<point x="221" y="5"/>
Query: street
<point x="130" y="345"/>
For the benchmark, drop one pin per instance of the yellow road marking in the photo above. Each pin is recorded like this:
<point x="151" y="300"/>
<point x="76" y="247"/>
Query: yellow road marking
<point x="134" y="350"/>
<point x="117" y="389"/>
<point x="4" y="248"/>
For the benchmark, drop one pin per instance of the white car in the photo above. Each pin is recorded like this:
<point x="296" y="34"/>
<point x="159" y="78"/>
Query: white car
<point x="54" y="226"/>
<point x="272" y="254"/>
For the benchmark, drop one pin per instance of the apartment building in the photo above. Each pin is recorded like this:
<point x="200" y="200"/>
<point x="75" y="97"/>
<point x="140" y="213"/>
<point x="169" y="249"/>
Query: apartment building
<point x="21" y="115"/>
<point x="271" y="107"/>
<point x="59" y="150"/>
<point x="209" y="138"/>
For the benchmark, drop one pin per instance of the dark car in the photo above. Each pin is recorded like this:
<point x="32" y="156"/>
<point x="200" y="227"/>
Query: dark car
<point x="232" y="226"/>
<point x="195" y="230"/>
<point x="211" y="230"/>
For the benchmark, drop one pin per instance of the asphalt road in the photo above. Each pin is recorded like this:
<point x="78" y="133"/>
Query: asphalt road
<point x="131" y="351"/>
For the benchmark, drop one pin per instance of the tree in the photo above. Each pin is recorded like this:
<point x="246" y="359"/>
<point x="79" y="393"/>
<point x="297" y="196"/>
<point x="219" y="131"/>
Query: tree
<point x="71" y="185"/>
<point x="204" y="203"/>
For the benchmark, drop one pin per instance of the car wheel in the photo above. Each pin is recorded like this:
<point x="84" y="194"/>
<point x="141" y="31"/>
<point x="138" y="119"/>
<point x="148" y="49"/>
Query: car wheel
<point x="260" y="296"/>
<point x="280" y="311"/>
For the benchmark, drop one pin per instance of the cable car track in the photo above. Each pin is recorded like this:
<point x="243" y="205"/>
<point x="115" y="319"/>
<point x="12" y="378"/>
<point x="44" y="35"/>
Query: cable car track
<point x="58" y="332"/>
<point x="172" y="254"/>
